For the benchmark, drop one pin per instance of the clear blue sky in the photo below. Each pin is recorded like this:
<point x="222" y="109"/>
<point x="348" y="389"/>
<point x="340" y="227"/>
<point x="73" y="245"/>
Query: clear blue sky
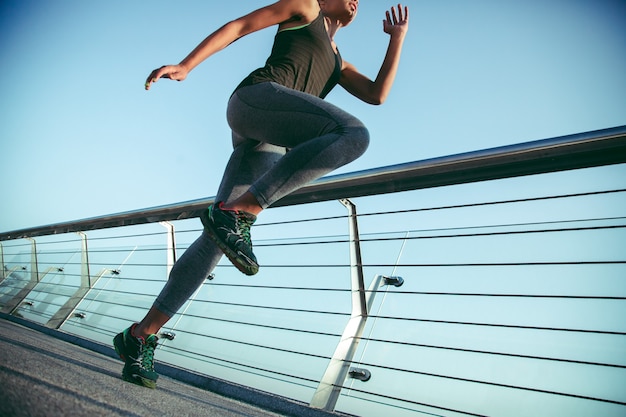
<point x="79" y="137"/>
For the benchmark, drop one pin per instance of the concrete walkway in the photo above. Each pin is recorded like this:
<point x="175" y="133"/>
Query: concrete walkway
<point x="41" y="375"/>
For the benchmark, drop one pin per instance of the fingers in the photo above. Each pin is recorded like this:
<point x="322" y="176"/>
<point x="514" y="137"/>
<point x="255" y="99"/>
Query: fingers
<point x="163" y="72"/>
<point x="402" y="15"/>
<point x="396" y="19"/>
<point x="153" y="77"/>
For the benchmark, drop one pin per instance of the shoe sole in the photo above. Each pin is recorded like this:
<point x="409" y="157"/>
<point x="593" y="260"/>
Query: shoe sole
<point x="119" y="340"/>
<point x="138" y="380"/>
<point x="232" y="256"/>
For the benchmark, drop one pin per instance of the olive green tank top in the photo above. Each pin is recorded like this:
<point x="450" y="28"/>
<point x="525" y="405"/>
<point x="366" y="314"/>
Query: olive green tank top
<point x="302" y="59"/>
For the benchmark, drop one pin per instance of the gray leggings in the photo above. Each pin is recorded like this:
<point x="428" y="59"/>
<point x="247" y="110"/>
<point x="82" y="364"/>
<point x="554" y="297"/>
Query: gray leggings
<point x="282" y="139"/>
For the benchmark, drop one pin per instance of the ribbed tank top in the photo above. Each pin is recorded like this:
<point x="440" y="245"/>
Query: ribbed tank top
<point x="302" y="59"/>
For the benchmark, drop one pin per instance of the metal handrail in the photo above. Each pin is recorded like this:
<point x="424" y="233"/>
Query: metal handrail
<point x="582" y="150"/>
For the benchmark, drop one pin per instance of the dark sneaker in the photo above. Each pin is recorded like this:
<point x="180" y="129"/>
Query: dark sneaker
<point x="138" y="355"/>
<point x="230" y="230"/>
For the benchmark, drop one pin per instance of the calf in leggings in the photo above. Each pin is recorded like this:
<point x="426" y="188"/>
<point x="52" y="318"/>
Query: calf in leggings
<point x="284" y="135"/>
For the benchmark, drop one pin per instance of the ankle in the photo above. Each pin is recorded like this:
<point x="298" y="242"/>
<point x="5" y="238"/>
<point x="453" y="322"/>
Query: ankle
<point x="140" y="331"/>
<point x="246" y="203"/>
<point x="242" y="209"/>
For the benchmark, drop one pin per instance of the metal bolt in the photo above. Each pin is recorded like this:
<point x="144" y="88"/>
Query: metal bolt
<point x="360" y="374"/>
<point x="395" y="281"/>
<point x="167" y="335"/>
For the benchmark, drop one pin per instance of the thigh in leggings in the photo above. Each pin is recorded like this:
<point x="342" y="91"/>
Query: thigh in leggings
<point x="321" y="137"/>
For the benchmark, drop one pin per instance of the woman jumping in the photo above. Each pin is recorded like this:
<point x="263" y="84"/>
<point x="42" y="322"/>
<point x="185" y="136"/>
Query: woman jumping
<point x="284" y="135"/>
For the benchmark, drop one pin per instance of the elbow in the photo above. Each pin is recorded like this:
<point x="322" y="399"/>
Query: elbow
<point x="379" y="101"/>
<point x="373" y="97"/>
<point x="369" y="94"/>
<point x="376" y="100"/>
<point x="373" y="100"/>
<point x="377" y="96"/>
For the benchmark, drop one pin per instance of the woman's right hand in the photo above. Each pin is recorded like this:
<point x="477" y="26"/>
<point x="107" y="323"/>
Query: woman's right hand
<point x="173" y="72"/>
<point x="397" y="23"/>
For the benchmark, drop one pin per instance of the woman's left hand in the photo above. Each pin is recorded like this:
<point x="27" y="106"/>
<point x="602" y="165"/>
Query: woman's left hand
<point x="397" y="21"/>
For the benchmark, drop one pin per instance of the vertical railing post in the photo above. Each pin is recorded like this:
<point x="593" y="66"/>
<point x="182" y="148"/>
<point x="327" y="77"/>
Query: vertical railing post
<point x="15" y="303"/>
<point x="338" y="368"/>
<point x="2" y="266"/>
<point x="85" y="277"/>
<point x="86" y="284"/>
<point x="171" y="246"/>
<point x="356" y="263"/>
<point x="328" y="391"/>
<point x="34" y="265"/>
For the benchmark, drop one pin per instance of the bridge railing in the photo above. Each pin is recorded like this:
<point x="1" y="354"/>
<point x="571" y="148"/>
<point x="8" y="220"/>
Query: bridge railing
<point x="487" y="283"/>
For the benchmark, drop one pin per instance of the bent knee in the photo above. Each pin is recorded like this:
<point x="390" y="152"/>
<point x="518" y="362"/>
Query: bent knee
<point x="358" y="136"/>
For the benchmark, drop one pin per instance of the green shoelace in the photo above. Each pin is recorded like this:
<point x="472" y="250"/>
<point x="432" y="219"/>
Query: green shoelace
<point x="244" y="224"/>
<point x="147" y="353"/>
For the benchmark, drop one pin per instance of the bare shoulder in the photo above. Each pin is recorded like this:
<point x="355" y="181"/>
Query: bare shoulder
<point x="302" y="12"/>
<point x="285" y="13"/>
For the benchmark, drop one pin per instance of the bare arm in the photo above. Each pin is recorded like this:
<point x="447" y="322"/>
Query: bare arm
<point x="280" y="12"/>
<point x="375" y="92"/>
